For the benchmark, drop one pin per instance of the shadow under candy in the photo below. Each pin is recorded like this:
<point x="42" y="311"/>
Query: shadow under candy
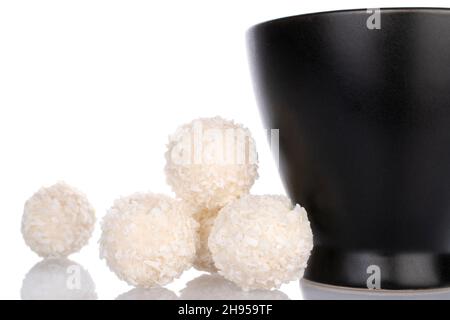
<point x="58" y="279"/>
<point x="216" y="287"/>
<point x="316" y="291"/>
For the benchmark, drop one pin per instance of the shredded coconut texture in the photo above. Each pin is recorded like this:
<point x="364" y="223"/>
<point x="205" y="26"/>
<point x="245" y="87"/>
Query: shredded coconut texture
<point x="148" y="239"/>
<point x="57" y="221"/>
<point x="216" y="287"/>
<point x="211" y="161"/>
<point x="260" y="242"/>
<point x="205" y="219"/>
<point x="58" y="279"/>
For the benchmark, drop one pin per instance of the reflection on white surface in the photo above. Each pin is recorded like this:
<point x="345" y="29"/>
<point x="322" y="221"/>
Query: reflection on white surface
<point x="215" y="287"/>
<point x="58" y="279"/>
<point x="158" y="293"/>
<point x="313" y="291"/>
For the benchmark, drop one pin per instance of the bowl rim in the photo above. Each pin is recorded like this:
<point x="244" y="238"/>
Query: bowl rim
<point x="433" y="10"/>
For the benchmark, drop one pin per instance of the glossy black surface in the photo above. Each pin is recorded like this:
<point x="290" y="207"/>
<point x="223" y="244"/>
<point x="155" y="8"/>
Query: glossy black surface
<point x="364" y="119"/>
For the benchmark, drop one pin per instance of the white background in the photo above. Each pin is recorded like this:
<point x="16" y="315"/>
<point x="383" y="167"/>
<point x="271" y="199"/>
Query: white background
<point x="90" y="90"/>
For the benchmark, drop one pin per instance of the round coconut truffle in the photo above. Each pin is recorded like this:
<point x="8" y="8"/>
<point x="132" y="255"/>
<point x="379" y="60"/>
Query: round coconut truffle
<point x="58" y="279"/>
<point x="57" y="221"/>
<point x="211" y="161"/>
<point x="203" y="260"/>
<point x="148" y="239"/>
<point x="260" y="242"/>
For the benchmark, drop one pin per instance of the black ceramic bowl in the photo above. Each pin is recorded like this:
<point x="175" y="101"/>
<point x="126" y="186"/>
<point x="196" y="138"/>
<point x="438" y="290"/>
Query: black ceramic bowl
<point x="364" y="120"/>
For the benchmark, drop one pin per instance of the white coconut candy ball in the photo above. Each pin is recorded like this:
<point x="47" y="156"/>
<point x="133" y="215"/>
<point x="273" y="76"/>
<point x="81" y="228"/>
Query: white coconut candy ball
<point x="148" y="239"/>
<point x="57" y="221"/>
<point x="203" y="260"/>
<point x="211" y="161"/>
<point x="260" y="242"/>
<point x="58" y="279"/>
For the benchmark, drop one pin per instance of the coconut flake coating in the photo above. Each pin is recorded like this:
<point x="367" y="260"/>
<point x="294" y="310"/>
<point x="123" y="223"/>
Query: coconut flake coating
<point x="260" y="242"/>
<point x="148" y="239"/>
<point x="57" y="221"/>
<point x="203" y="260"/>
<point x="211" y="161"/>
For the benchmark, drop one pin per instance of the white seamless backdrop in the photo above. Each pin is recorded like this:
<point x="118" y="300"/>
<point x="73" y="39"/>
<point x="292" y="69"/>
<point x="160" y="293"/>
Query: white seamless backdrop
<point x="90" y="90"/>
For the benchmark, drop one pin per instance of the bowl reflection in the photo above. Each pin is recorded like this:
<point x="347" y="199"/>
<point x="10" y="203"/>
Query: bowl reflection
<point x="316" y="291"/>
